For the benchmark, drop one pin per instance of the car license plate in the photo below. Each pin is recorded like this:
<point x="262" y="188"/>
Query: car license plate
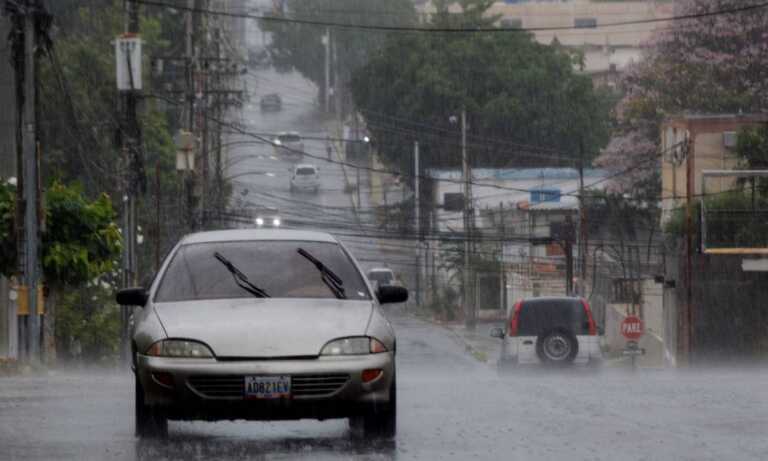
<point x="267" y="387"/>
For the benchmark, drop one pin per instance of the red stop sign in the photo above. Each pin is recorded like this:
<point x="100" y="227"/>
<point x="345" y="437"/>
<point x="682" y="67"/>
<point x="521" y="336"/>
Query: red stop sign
<point x="632" y="328"/>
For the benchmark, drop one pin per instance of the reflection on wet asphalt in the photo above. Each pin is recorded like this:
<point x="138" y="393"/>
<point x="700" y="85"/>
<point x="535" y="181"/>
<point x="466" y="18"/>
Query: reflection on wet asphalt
<point x="451" y="407"/>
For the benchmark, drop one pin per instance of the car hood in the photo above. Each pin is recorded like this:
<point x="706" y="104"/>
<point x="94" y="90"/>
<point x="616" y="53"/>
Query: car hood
<point x="265" y="327"/>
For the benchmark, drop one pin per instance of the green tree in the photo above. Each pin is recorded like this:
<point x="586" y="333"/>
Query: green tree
<point x="300" y="46"/>
<point x="513" y="89"/>
<point x="80" y="245"/>
<point x="715" y="63"/>
<point x="752" y="147"/>
<point x="7" y="229"/>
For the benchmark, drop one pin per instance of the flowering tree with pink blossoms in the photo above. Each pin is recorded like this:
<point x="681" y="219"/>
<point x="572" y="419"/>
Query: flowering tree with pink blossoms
<point x="710" y="64"/>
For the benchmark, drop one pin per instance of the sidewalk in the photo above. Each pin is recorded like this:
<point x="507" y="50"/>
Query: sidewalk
<point x="477" y="342"/>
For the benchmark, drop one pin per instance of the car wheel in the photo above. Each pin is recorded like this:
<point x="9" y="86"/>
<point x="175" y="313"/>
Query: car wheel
<point x="557" y="347"/>
<point x="380" y="421"/>
<point x="150" y="423"/>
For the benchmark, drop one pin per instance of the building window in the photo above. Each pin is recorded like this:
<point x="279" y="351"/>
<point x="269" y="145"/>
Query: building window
<point x="585" y="23"/>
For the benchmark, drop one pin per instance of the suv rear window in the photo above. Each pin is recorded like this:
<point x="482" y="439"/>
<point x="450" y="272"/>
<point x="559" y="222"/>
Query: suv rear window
<point x="539" y="315"/>
<point x="305" y="171"/>
<point x="289" y="138"/>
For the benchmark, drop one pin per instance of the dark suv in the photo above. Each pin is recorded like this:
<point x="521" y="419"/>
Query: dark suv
<point x="551" y="331"/>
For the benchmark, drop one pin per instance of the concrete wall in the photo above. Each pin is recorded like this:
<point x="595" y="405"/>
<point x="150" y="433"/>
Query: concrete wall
<point x="654" y="319"/>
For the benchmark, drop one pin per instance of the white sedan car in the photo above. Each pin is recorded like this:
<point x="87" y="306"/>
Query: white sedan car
<point x="289" y="145"/>
<point x="263" y="325"/>
<point x="305" y="177"/>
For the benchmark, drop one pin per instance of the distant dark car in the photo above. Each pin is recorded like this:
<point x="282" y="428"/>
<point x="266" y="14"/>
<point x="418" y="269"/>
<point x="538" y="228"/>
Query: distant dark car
<point x="549" y="331"/>
<point x="271" y="102"/>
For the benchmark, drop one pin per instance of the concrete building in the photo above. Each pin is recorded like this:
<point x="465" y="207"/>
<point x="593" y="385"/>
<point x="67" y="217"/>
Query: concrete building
<point x="522" y="205"/>
<point x="711" y="141"/>
<point x="607" y="50"/>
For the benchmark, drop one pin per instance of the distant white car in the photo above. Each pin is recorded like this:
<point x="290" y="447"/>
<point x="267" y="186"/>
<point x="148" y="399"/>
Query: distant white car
<point x="305" y="177"/>
<point x="549" y="331"/>
<point x="289" y="144"/>
<point x="382" y="276"/>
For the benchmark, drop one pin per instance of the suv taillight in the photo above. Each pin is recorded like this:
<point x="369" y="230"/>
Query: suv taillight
<point x="590" y="320"/>
<point x="515" y="317"/>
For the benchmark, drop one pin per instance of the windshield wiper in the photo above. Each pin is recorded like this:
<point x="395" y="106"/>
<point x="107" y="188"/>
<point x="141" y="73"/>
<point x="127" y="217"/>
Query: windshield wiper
<point x="330" y="278"/>
<point x="240" y="279"/>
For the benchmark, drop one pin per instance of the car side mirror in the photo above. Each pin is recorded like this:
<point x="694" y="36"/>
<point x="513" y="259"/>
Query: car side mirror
<point x="136" y="296"/>
<point x="600" y="330"/>
<point x="389" y="294"/>
<point x="497" y="333"/>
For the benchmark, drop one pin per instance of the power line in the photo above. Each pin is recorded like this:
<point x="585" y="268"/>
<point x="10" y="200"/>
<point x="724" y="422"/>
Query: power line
<point x="475" y="30"/>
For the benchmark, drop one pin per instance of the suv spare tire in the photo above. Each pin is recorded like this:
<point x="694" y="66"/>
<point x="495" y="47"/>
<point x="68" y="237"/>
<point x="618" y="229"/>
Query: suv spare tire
<point x="557" y="347"/>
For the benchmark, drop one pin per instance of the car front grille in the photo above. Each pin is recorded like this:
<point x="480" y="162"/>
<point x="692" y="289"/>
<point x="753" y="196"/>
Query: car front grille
<point x="229" y="387"/>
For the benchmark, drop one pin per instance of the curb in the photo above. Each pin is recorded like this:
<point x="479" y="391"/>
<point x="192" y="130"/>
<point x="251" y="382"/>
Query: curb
<point x="477" y="354"/>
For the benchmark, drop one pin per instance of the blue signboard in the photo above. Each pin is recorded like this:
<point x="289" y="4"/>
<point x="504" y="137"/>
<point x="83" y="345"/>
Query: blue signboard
<point x="545" y="195"/>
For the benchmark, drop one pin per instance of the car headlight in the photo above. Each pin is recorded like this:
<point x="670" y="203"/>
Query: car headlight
<point x="259" y="221"/>
<point x="277" y="142"/>
<point x="276" y="222"/>
<point x="360" y="345"/>
<point x="180" y="348"/>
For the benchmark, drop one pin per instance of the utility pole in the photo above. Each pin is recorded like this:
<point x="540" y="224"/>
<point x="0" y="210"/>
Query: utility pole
<point x="131" y="147"/>
<point x="502" y="265"/>
<point x="417" y="220"/>
<point x="357" y="187"/>
<point x="469" y="304"/>
<point x="568" y="256"/>
<point x="583" y="246"/>
<point x="688" y="337"/>
<point x="29" y="187"/>
<point x="336" y="84"/>
<point x="188" y="173"/>
<point x="327" y="43"/>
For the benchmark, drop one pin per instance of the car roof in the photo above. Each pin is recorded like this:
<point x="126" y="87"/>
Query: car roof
<point x="380" y="269"/>
<point x="235" y="235"/>
<point x="546" y="299"/>
<point x="289" y="133"/>
<point x="306" y="165"/>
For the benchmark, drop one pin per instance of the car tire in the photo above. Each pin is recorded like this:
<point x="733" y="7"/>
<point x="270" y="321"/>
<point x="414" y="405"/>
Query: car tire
<point x="380" y="421"/>
<point x="150" y="422"/>
<point x="557" y="347"/>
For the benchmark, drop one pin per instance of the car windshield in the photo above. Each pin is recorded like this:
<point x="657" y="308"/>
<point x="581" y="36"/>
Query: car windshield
<point x="305" y="171"/>
<point x="381" y="277"/>
<point x="275" y="266"/>
<point x="538" y="316"/>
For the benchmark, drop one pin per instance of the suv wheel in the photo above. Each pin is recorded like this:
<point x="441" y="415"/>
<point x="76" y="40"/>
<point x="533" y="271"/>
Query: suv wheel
<point x="150" y="423"/>
<point x="557" y="347"/>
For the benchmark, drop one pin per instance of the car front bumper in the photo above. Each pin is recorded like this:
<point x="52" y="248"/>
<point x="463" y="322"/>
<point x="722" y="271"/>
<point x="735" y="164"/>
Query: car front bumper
<point x="208" y="389"/>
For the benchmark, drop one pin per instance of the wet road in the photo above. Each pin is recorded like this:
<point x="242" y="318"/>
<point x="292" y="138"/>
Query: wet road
<point x="450" y="407"/>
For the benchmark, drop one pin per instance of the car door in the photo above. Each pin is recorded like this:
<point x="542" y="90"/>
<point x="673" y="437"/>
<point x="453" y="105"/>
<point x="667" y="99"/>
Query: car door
<point x="527" y="328"/>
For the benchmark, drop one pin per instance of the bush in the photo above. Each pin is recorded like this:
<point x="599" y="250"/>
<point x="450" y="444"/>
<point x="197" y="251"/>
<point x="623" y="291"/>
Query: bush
<point x="88" y="324"/>
<point x="445" y="305"/>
